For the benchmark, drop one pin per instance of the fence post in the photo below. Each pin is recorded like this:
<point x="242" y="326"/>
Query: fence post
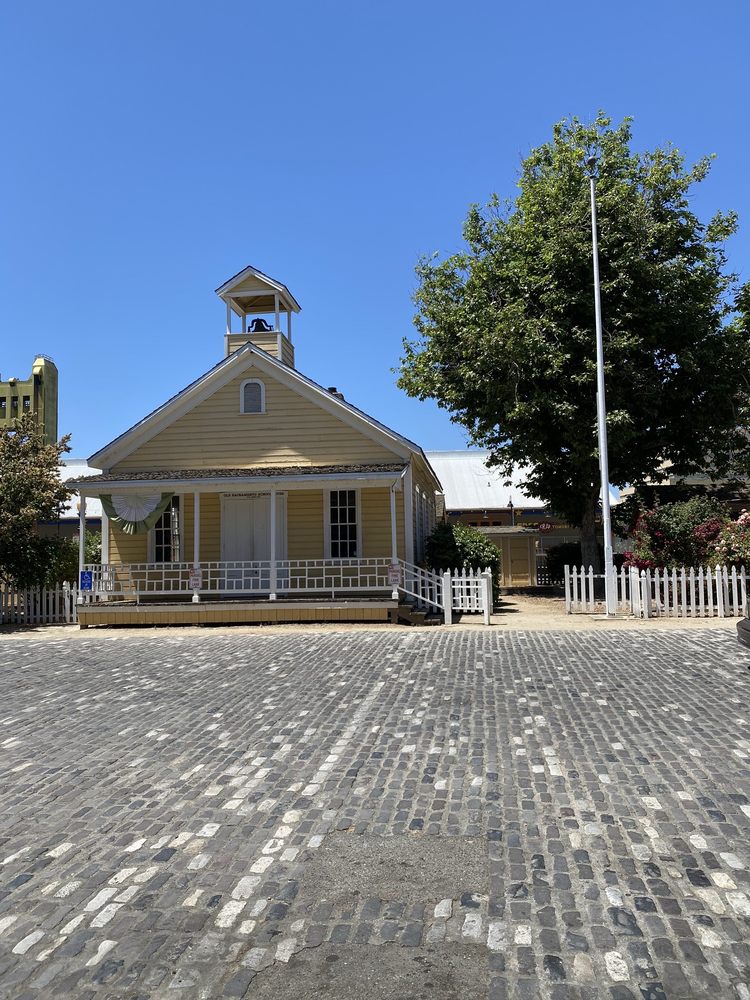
<point x="719" y="593"/>
<point x="635" y="592"/>
<point x="487" y="583"/>
<point x="646" y="593"/>
<point x="447" y="599"/>
<point x="567" y="589"/>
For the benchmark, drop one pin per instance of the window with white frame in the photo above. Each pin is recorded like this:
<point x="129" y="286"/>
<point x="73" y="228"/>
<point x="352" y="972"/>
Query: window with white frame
<point x="252" y="396"/>
<point x="343" y="526"/>
<point x="165" y="535"/>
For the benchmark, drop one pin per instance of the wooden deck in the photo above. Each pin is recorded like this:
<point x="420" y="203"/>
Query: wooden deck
<point x="239" y="612"/>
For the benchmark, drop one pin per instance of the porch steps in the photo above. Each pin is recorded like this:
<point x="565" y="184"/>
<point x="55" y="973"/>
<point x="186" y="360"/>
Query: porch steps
<point x="408" y="614"/>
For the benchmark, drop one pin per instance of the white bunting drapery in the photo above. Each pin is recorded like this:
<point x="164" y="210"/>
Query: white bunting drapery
<point x="135" y="513"/>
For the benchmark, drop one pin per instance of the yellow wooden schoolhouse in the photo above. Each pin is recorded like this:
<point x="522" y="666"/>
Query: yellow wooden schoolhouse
<point x="255" y="494"/>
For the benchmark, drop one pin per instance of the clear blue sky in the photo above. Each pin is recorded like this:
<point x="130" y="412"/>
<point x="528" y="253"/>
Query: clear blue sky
<point x="152" y="150"/>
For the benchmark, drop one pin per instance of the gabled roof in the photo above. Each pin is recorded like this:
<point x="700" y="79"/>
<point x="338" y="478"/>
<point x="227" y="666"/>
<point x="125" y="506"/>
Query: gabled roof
<point x="258" y="293"/>
<point x="230" y="367"/>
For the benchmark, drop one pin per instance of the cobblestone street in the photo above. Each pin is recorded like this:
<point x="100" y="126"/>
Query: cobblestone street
<point x="437" y="813"/>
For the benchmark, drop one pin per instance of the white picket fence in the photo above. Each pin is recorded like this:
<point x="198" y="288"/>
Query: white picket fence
<point x="38" y="605"/>
<point x="694" y="592"/>
<point x="467" y="590"/>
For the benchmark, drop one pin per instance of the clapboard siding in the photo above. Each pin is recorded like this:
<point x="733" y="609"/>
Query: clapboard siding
<point x="292" y="431"/>
<point x="375" y="507"/>
<point x="304" y="518"/>
<point x="127" y="548"/>
<point x="305" y="527"/>
<point x="210" y="516"/>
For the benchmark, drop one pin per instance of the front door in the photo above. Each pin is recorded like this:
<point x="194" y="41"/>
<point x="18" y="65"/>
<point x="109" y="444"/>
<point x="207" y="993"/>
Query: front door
<point x="246" y="538"/>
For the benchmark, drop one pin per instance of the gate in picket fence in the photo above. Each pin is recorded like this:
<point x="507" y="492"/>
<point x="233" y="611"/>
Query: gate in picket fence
<point x="467" y="590"/>
<point x="694" y="592"/>
<point x="38" y="605"/>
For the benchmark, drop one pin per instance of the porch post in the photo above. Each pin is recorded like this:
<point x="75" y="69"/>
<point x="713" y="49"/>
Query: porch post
<point x="103" y="595"/>
<point x="272" y="595"/>
<point x="277" y="326"/>
<point x="81" y="542"/>
<point x="394" y="537"/>
<point x="196" y="544"/>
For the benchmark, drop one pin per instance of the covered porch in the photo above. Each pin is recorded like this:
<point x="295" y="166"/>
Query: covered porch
<point x="317" y="534"/>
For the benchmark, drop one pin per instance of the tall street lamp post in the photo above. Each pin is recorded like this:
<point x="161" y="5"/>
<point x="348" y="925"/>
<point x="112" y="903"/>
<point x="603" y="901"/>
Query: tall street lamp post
<point x="601" y="409"/>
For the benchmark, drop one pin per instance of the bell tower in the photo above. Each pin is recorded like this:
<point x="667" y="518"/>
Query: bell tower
<point x="259" y="302"/>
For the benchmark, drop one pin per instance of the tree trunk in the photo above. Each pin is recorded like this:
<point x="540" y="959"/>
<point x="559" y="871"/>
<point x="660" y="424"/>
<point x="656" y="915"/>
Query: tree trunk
<point x="589" y="539"/>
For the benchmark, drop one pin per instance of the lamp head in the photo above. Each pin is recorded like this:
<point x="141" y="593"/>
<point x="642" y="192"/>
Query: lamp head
<point x="591" y="164"/>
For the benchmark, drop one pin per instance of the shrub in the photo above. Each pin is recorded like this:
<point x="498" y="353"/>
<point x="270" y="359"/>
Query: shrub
<point x="732" y="546"/>
<point x="677" y="534"/>
<point x="452" y="546"/>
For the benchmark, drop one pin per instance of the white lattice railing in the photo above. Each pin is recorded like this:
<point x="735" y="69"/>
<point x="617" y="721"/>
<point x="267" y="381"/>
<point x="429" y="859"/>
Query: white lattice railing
<point x="332" y="575"/>
<point x="162" y="579"/>
<point x="258" y="577"/>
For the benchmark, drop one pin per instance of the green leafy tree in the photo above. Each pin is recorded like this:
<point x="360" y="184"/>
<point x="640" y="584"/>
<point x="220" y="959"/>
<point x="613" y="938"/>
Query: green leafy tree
<point x="506" y="327"/>
<point x="30" y="491"/>
<point x="64" y="566"/>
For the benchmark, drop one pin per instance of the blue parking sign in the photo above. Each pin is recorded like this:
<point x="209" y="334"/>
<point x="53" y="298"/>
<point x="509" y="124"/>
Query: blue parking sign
<point x="87" y="579"/>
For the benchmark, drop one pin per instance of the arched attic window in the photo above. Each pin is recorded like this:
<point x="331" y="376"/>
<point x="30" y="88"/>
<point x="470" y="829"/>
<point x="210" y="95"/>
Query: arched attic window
<point x="252" y="396"/>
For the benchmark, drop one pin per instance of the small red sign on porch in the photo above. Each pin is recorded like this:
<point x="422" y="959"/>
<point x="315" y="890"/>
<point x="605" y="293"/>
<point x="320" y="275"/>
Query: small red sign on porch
<point x="394" y="575"/>
<point x="196" y="578"/>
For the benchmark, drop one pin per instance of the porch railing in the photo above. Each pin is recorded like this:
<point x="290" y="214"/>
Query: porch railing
<point x="256" y="578"/>
<point x="464" y="590"/>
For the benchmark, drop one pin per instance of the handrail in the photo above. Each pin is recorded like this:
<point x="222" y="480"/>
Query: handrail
<point x="422" y="584"/>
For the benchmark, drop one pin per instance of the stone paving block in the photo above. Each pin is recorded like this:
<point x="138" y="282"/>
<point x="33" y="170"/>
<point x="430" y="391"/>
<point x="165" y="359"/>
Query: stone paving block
<point x="456" y="813"/>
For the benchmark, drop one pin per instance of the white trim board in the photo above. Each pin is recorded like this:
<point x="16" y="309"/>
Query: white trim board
<point x="251" y="483"/>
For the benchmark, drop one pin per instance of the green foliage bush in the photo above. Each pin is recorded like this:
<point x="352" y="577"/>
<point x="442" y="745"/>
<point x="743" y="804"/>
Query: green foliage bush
<point x="452" y="546"/>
